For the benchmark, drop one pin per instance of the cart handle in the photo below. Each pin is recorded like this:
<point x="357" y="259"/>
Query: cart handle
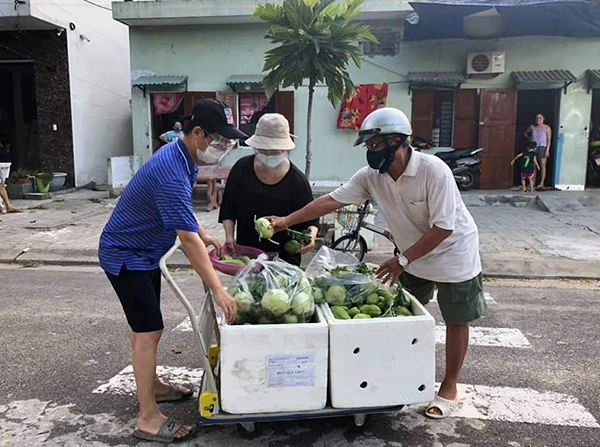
<point x="178" y="292"/>
<point x="211" y="384"/>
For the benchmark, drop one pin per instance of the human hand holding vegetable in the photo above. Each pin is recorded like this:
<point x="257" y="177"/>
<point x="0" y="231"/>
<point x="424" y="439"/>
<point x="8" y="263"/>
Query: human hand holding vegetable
<point x="277" y="223"/>
<point x="390" y="271"/>
<point x="230" y="244"/>
<point x="209" y="240"/>
<point x="226" y="302"/>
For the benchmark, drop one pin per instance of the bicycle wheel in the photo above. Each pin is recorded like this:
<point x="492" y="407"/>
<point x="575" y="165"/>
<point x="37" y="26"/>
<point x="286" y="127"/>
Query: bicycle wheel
<point x="351" y="244"/>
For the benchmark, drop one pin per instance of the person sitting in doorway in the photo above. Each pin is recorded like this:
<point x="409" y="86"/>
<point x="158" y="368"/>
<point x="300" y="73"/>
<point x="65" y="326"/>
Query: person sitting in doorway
<point x="4" y="196"/>
<point x="174" y="134"/>
<point x="528" y="165"/>
<point x="542" y="135"/>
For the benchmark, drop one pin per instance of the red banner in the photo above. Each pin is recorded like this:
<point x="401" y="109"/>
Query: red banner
<point x="365" y="99"/>
<point x="165" y="103"/>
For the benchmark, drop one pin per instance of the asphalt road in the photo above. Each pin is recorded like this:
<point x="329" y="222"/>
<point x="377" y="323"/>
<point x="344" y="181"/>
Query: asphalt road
<point x="531" y="375"/>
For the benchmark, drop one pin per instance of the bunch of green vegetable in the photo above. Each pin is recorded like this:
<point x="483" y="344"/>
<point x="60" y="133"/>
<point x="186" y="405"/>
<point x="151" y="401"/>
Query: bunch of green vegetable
<point x="355" y="293"/>
<point x="297" y="240"/>
<point x="382" y="302"/>
<point x="269" y="292"/>
<point x="235" y="260"/>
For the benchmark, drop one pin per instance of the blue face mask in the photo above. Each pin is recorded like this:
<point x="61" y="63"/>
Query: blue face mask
<point x="177" y="129"/>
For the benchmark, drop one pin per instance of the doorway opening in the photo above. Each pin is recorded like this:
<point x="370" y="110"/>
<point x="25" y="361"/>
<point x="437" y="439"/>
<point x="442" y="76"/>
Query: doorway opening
<point x="529" y="104"/>
<point x="592" y="178"/>
<point x="18" y="116"/>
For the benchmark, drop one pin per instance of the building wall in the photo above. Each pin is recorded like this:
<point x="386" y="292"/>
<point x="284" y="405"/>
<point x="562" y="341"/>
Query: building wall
<point x="99" y="74"/>
<point x="50" y="60"/>
<point x="210" y="54"/>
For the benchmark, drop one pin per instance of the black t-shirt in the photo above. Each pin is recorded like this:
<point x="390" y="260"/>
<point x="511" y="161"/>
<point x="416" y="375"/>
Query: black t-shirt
<point x="246" y="196"/>
<point x="527" y="162"/>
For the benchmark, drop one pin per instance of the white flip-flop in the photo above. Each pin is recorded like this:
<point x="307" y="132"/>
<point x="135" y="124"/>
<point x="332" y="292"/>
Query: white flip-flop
<point x="446" y="407"/>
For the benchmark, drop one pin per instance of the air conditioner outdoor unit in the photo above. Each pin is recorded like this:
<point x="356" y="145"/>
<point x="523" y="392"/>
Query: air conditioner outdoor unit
<point x="492" y="62"/>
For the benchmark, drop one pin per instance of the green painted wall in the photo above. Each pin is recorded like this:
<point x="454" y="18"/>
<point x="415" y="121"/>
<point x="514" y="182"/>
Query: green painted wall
<point x="210" y="54"/>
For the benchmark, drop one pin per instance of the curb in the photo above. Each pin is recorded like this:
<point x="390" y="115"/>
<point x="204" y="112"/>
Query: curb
<point x="186" y="266"/>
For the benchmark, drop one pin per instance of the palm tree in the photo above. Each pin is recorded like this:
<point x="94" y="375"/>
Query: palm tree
<point x="316" y="39"/>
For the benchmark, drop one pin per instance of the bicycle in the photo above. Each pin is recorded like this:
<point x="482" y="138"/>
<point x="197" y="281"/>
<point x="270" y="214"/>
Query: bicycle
<point x="352" y="221"/>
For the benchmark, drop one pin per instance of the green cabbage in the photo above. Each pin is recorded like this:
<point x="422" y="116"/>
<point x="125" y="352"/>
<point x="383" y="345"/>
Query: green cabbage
<point x="244" y="301"/>
<point x="264" y="229"/>
<point x="335" y="295"/>
<point x="303" y="304"/>
<point x="318" y="295"/>
<point x="276" y="301"/>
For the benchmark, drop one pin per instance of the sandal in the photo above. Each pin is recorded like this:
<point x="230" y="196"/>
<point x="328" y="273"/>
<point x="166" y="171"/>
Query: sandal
<point x="166" y="434"/>
<point x="175" y="393"/>
<point x="446" y="407"/>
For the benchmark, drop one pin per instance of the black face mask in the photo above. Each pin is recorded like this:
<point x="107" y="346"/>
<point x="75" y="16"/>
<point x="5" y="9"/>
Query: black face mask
<point x="382" y="159"/>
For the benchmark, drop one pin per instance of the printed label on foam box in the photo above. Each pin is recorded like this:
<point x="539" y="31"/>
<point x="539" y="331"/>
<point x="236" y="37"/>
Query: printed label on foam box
<point x="290" y="370"/>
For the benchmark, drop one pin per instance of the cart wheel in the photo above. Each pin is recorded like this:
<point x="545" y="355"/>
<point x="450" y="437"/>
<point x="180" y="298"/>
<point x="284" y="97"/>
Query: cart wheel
<point x="247" y="430"/>
<point x="359" y="422"/>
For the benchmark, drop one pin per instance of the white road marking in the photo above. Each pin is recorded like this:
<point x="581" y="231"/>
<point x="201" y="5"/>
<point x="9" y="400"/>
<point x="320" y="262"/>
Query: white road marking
<point x="489" y="298"/>
<point x="184" y="326"/>
<point x="489" y="336"/>
<point x="521" y="405"/>
<point x="124" y="382"/>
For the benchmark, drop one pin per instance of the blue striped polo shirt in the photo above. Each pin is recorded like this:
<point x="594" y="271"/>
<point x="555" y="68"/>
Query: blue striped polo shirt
<point x="156" y="202"/>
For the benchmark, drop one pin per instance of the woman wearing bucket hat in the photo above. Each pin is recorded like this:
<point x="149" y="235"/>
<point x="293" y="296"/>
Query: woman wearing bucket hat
<point x="265" y="184"/>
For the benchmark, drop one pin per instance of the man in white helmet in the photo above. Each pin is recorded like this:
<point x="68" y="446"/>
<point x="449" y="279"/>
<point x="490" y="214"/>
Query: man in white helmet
<point x="431" y="225"/>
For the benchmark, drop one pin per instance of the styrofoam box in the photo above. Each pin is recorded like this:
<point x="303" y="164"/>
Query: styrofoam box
<point x="269" y="368"/>
<point x="381" y="361"/>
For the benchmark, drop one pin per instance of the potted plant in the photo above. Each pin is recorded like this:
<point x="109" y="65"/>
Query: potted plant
<point x="43" y="180"/>
<point x="19" y="183"/>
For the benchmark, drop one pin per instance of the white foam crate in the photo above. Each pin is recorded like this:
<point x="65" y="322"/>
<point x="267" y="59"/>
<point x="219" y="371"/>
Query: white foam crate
<point x="271" y="368"/>
<point x="381" y="361"/>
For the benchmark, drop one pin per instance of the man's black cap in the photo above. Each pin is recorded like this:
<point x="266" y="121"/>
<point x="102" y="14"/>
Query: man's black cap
<point x="216" y="116"/>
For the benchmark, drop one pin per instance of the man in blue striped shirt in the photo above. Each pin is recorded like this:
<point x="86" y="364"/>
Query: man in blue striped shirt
<point x="154" y="209"/>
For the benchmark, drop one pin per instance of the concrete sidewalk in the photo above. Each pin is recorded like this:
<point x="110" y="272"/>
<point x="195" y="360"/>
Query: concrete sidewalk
<point x="551" y="234"/>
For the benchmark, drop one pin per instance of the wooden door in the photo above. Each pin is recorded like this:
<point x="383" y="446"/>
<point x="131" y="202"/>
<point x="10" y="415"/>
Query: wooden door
<point x="422" y="113"/>
<point x="497" y="122"/>
<point x="231" y="99"/>
<point x="191" y="98"/>
<point x="284" y="104"/>
<point x="466" y="119"/>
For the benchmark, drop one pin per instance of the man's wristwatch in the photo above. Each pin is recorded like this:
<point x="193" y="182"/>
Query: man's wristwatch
<point x="402" y="260"/>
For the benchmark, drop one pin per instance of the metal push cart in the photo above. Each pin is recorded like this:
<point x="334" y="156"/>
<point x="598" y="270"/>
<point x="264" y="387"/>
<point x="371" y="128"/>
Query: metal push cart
<point x="205" y="326"/>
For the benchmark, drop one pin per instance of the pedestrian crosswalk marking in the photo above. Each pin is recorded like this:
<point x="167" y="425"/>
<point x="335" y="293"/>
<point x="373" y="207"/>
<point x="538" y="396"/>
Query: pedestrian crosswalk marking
<point x="124" y="382"/>
<point x="489" y="336"/>
<point x="520" y="405"/>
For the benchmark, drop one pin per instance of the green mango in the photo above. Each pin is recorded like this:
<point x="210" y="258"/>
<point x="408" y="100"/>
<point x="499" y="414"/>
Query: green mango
<point x="292" y="246"/>
<point x="340" y="313"/>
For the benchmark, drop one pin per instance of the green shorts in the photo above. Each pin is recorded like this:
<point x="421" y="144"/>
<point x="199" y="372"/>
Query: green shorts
<point x="460" y="302"/>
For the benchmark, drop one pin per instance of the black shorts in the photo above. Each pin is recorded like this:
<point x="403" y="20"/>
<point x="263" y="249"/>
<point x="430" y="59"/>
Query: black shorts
<point x="139" y="293"/>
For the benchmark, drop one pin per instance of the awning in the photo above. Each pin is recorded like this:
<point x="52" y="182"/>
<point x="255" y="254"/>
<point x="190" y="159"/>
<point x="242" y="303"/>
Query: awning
<point x="245" y="83"/>
<point x="542" y="79"/>
<point x="432" y="79"/>
<point x="144" y="82"/>
<point x="593" y="77"/>
<point x="443" y="19"/>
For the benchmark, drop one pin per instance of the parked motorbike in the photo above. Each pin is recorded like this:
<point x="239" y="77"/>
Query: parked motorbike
<point x="465" y="167"/>
<point x="593" y="167"/>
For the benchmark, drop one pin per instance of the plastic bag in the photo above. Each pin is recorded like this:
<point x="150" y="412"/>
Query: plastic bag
<point x="340" y="279"/>
<point x="269" y="292"/>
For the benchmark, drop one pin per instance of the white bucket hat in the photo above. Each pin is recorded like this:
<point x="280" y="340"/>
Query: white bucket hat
<point x="272" y="133"/>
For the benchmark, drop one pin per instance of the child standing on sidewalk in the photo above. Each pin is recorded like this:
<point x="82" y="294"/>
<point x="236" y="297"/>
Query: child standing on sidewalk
<point x="527" y="165"/>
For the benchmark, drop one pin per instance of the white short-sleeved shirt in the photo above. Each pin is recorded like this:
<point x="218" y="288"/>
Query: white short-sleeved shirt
<point x="423" y="196"/>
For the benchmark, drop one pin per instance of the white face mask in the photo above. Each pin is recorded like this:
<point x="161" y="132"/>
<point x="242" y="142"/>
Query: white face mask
<point x="214" y="152"/>
<point x="271" y="161"/>
<point x="210" y="156"/>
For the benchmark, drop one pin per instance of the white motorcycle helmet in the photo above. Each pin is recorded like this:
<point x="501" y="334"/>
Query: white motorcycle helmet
<point x="385" y="121"/>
